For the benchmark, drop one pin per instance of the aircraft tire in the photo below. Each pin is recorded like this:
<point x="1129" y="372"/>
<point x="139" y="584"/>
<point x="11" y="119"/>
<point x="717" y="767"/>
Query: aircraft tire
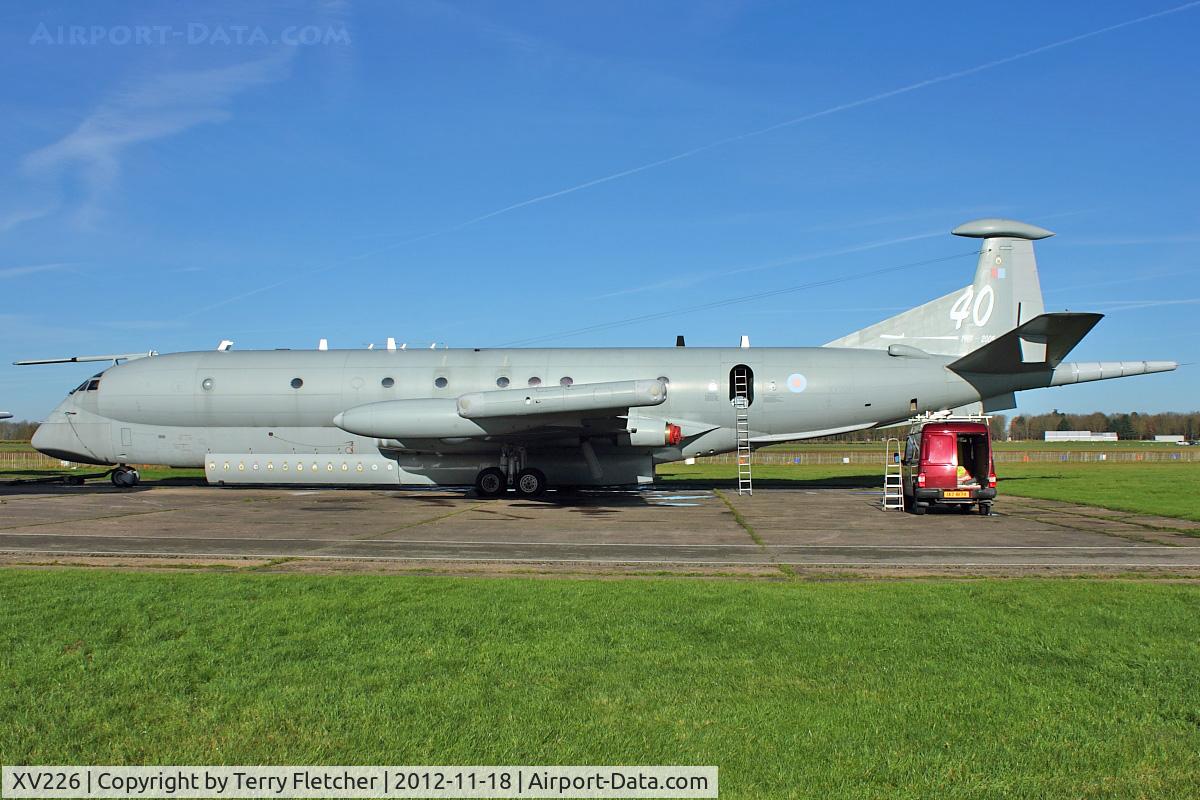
<point x="530" y="482"/>
<point x="491" y="482"/>
<point x="125" y="477"/>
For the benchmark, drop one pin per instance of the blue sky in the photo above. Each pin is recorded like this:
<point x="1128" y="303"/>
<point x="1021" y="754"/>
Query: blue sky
<point x="482" y="173"/>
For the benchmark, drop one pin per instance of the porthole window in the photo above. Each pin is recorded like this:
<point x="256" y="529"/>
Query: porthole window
<point x="535" y="381"/>
<point x="565" y="381"/>
<point x="387" y="383"/>
<point x="502" y="382"/>
<point x="441" y="383"/>
<point x="207" y="384"/>
<point x="297" y="383"/>
<point x="664" y="379"/>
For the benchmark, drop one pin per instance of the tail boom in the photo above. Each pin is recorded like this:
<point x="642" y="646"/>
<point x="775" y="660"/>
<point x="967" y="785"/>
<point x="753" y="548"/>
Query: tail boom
<point x="1085" y="371"/>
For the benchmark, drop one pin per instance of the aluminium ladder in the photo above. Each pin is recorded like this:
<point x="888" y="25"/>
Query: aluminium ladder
<point x="893" y="481"/>
<point x="741" y="405"/>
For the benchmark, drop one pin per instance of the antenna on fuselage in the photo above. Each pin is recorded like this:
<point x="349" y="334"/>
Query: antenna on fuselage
<point x="391" y="343"/>
<point x="745" y="341"/>
<point x="323" y="344"/>
<point x="81" y="359"/>
<point x="226" y="344"/>
<point x="679" y="341"/>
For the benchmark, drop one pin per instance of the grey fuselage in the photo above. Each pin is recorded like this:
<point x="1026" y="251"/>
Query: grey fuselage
<point x="181" y="408"/>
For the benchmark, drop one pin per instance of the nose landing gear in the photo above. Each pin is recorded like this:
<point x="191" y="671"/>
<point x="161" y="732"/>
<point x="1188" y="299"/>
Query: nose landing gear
<point x="125" y="477"/>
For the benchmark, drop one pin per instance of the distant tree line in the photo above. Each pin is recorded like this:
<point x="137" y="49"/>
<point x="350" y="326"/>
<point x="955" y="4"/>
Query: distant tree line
<point x="1133" y="425"/>
<point x="21" y="431"/>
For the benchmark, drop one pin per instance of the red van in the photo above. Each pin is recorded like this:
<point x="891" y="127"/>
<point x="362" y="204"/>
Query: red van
<point x="948" y="463"/>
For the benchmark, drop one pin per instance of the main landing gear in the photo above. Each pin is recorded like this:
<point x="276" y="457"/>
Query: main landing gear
<point x="492" y="482"/>
<point x="495" y="481"/>
<point x="125" y="477"/>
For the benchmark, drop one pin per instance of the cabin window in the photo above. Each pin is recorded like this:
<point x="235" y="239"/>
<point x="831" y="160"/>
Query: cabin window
<point x="565" y="381"/>
<point x="441" y="383"/>
<point x="502" y="382"/>
<point x="741" y="385"/>
<point x="387" y="383"/>
<point x="297" y="383"/>
<point x="535" y="381"/>
<point x="93" y="384"/>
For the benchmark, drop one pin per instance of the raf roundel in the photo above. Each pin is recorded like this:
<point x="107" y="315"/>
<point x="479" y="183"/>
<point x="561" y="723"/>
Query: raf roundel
<point x="797" y="383"/>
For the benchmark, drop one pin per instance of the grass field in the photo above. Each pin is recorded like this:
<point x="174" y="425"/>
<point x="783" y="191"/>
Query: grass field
<point x="1169" y="489"/>
<point x="906" y="689"/>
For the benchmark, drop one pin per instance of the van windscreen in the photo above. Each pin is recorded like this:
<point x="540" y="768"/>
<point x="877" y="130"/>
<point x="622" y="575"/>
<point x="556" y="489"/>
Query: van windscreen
<point x="939" y="448"/>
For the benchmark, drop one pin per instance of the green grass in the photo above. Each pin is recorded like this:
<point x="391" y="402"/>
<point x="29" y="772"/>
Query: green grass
<point x="1167" y="489"/>
<point x="906" y="689"/>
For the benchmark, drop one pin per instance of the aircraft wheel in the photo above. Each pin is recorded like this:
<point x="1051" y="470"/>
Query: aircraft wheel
<point x="125" y="477"/>
<point x="491" y="482"/>
<point x="531" y="482"/>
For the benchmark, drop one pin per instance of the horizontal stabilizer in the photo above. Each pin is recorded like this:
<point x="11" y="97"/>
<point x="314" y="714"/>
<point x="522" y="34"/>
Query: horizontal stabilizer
<point x="1037" y="345"/>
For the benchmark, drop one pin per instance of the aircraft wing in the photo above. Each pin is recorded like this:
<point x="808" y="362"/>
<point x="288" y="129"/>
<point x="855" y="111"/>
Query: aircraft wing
<point x="517" y="414"/>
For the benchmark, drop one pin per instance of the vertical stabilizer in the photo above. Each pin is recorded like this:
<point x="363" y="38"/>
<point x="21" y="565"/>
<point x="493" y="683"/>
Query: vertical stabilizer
<point x="1004" y="294"/>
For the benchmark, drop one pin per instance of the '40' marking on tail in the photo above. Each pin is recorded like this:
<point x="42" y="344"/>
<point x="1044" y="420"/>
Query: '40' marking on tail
<point x="980" y="311"/>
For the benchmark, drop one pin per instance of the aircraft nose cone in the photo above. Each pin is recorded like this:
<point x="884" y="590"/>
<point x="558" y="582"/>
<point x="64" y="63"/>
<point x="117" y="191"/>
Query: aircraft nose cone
<point x="41" y="438"/>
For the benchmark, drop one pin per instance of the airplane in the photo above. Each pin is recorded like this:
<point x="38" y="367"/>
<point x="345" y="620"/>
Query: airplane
<point x="5" y="415"/>
<point x="527" y="419"/>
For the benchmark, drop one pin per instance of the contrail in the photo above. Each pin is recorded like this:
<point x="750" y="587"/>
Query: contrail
<point x="625" y="173"/>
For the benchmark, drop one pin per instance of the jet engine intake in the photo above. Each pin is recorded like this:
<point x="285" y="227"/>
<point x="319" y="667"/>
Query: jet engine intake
<point x="652" y="432"/>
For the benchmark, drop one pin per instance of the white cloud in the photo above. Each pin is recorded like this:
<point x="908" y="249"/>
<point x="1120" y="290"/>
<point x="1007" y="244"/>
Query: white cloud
<point x="161" y="106"/>
<point x="30" y="269"/>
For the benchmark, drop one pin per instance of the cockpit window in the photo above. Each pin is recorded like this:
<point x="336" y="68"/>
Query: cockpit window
<point x="90" y="385"/>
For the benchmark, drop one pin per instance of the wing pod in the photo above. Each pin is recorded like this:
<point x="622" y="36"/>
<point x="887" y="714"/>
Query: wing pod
<point x="482" y="414"/>
<point x="585" y="397"/>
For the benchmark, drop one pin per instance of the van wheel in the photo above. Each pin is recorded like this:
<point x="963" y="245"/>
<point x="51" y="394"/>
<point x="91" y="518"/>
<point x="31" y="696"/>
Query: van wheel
<point x="919" y="509"/>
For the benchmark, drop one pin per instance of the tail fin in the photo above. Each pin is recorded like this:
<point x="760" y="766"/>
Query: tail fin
<point x="1005" y="294"/>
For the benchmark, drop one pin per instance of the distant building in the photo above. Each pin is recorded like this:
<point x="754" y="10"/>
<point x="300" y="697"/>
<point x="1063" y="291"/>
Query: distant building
<point x="1170" y="438"/>
<point x="1080" y="436"/>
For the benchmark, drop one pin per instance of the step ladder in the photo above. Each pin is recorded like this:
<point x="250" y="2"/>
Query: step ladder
<point x="893" y="481"/>
<point x="741" y="426"/>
